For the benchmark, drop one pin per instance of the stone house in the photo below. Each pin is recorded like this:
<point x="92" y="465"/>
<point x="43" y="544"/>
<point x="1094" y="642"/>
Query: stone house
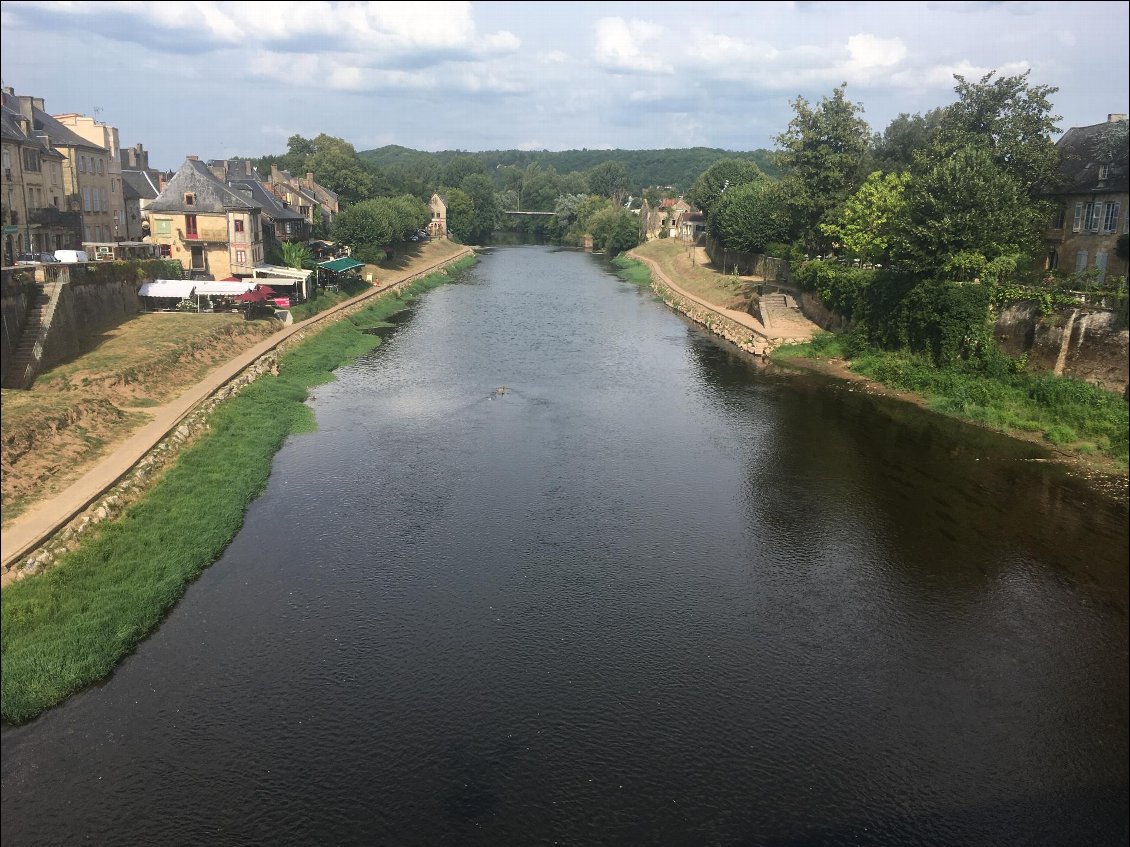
<point x="38" y="215"/>
<point x="108" y="222"/>
<point x="279" y="220"/>
<point x="141" y="185"/>
<point x="437" y="226"/>
<point x="1092" y="202"/>
<point x="212" y="229"/>
<point x="316" y="203"/>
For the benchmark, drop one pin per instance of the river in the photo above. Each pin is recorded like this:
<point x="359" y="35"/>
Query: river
<point x="651" y="593"/>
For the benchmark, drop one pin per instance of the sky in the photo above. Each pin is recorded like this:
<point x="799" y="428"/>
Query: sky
<point x="219" y="79"/>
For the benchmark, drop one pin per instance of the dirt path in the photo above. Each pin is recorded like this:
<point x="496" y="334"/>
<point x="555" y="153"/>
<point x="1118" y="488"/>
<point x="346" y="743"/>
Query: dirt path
<point x="32" y="528"/>
<point x="786" y="326"/>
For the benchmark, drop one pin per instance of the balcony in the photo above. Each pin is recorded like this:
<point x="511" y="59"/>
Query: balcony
<point x="206" y="236"/>
<point x="1055" y="235"/>
<point x="51" y="216"/>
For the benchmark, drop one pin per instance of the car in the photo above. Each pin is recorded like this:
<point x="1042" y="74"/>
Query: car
<point x="34" y="258"/>
<point x="71" y="256"/>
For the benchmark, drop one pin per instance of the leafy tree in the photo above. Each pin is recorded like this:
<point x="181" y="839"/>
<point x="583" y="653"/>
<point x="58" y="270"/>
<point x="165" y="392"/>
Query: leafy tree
<point x="461" y="167"/>
<point x="568" y="207"/>
<point x="481" y="191"/>
<point x="1009" y="118"/>
<point x="609" y="179"/>
<point x="614" y="230"/>
<point x="372" y="225"/>
<point x="868" y="221"/>
<point x="296" y="255"/>
<point x="573" y="183"/>
<point x="966" y="216"/>
<point x="539" y="189"/>
<point x="460" y="215"/>
<point x="1111" y="143"/>
<point x="722" y="176"/>
<point x="823" y="152"/>
<point x="904" y="136"/>
<point x="748" y="217"/>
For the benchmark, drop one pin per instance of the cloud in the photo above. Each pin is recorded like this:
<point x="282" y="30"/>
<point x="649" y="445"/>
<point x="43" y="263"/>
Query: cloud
<point x="942" y="75"/>
<point x="623" y="46"/>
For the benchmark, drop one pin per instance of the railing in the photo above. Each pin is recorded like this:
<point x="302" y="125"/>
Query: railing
<point x="215" y="236"/>
<point x="51" y="216"/>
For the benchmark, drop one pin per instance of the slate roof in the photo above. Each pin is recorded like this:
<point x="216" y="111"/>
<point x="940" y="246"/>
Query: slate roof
<point x="139" y="185"/>
<point x="11" y="131"/>
<point x="255" y="192"/>
<point x="1079" y="164"/>
<point x="212" y="196"/>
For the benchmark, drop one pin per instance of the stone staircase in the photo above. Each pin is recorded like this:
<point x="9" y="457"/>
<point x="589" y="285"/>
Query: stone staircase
<point x="25" y="360"/>
<point x="783" y="319"/>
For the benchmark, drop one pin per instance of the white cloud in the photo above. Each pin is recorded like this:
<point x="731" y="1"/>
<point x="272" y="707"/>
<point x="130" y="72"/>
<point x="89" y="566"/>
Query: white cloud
<point x="942" y="75"/>
<point x="623" y="45"/>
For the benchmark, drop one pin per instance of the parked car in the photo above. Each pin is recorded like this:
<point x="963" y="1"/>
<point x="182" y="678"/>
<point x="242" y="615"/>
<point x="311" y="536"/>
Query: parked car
<point x="34" y="258"/>
<point x="71" y="256"/>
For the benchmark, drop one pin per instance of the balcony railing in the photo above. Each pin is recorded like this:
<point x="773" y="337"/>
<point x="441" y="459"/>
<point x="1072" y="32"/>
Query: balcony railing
<point x="211" y="236"/>
<point x="50" y="216"/>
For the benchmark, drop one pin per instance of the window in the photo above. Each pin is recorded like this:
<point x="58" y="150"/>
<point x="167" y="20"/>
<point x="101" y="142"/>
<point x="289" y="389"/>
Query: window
<point x="86" y="201"/>
<point x="82" y="164"/>
<point x="1077" y="222"/>
<point x="1100" y="263"/>
<point x="166" y="251"/>
<point x="190" y="226"/>
<point x="198" y="258"/>
<point x="190" y="199"/>
<point x="31" y="159"/>
<point x="1104" y="171"/>
<point x="163" y="226"/>
<point x="113" y="186"/>
<point x="1081" y="261"/>
<point x="241" y="257"/>
<point x="105" y="200"/>
<point x="100" y="165"/>
<point x="1110" y="219"/>
<point x="1059" y="217"/>
<point x="239" y="225"/>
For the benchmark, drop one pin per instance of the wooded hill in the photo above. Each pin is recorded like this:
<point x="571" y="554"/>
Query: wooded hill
<point x="678" y="167"/>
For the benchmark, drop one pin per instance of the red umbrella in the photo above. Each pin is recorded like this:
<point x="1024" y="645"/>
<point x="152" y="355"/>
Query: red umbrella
<point x="257" y="295"/>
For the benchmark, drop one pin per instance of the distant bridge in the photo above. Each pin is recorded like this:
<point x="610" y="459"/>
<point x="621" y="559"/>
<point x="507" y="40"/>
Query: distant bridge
<point x="540" y="214"/>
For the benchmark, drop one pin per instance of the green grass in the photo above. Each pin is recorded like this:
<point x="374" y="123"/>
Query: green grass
<point x="67" y="628"/>
<point x="631" y="270"/>
<point x="1067" y="413"/>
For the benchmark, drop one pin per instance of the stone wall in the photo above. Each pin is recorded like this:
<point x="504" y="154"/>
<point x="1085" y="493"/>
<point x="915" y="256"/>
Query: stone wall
<point x="749" y="264"/>
<point x="17" y="290"/>
<point x="1082" y="342"/>
<point x="813" y="308"/>
<point x="87" y="306"/>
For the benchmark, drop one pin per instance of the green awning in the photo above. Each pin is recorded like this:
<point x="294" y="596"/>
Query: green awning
<point x="341" y="265"/>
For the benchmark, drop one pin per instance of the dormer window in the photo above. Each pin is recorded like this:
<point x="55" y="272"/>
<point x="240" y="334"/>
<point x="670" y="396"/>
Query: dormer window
<point x="1104" y="170"/>
<point x="190" y="199"/>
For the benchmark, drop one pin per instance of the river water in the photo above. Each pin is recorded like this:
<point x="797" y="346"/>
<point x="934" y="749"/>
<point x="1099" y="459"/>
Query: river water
<point x="651" y="594"/>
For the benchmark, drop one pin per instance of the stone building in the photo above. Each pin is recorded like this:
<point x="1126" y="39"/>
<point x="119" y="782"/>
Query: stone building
<point x="215" y="231"/>
<point x="107" y="221"/>
<point x="1093" y="199"/>
<point x="437" y="226"/>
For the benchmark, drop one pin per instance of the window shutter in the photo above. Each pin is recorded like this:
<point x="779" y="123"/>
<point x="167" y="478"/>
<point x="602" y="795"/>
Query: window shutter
<point x="1112" y="212"/>
<point x="1080" y="261"/>
<point x="1078" y="217"/>
<point x="1097" y="217"/>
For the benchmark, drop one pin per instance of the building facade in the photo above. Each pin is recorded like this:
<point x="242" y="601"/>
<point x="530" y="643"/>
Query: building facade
<point x="213" y="230"/>
<point x="106" y="221"/>
<point x="437" y="226"/>
<point x="1092" y="202"/>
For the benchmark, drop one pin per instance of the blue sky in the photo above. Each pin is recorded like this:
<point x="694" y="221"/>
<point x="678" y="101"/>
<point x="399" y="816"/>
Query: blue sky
<point x="220" y="79"/>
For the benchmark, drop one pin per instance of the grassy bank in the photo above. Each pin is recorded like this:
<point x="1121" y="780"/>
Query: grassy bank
<point x="67" y="628"/>
<point x="632" y="270"/>
<point x="1066" y="413"/>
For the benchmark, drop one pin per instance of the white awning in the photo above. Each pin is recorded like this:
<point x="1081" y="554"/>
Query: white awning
<point x="276" y="271"/>
<point x="224" y="289"/>
<point x="178" y="288"/>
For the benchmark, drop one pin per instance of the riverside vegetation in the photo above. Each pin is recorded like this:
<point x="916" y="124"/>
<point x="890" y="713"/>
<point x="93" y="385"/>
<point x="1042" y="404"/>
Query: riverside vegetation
<point x="67" y="628"/>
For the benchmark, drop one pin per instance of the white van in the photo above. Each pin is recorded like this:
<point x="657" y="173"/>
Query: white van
<point x="71" y="256"/>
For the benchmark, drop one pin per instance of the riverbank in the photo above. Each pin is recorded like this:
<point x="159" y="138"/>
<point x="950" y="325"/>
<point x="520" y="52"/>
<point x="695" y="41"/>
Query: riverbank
<point x="1080" y="425"/>
<point x="68" y="627"/>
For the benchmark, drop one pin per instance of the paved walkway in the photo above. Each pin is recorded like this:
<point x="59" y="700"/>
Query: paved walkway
<point x="784" y="322"/>
<point x="41" y="521"/>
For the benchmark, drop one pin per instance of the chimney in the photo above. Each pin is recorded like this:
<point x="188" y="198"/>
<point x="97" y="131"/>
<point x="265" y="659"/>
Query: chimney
<point x="38" y="103"/>
<point x="1115" y="117"/>
<point x="310" y="180"/>
<point x="27" y="106"/>
<point x="193" y="158"/>
<point x="219" y="169"/>
<point x="275" y="175"/>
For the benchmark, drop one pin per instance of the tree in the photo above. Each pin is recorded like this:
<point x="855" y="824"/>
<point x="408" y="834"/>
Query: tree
<point x="461" y="167"/>
<point x="722" y="176"/>
<point x="904" y="136"/>
<point x="609" y="179"/>
<point x="748" y="218"/>
<point x="296" y="255"/>
<point x="868" y="221"/>
<point x="1010" y="119"/>
<point x="614" y="230"/>
<point x="481" y="191"/>
<point x="460" y="215"/>
<point x="372" y="225"/>
<point x="967" y="217"/>
<point x="823" y="152"/>
<point x="568" y="207"/>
